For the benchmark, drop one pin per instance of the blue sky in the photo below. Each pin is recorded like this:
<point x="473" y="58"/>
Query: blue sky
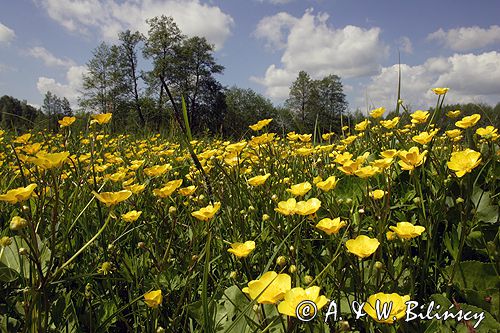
<point x="45" y="44"/>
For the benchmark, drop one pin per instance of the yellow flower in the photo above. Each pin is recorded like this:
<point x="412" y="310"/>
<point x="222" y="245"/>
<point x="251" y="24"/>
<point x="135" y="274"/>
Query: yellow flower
<point x="390" y="235"/>
<point x="271" y="287"/>
<point x="307" y="207"/>
<point x="106" y="268"/>
<point x="261" y="124"/>
<point x="327" y="136"/>
<point x="168" y="188"/>
<point x="206" y="213"/>
<point x="377" y="113"/>
<point x="389" y="153"/>
<point x="330" y="226"/>
<point x="464" y="161"/>
<point x="242" y="250"/>
<point x="153" y="299"/>
<point x="367" y="171"/>
<point x="440" y="91"/>
<point x="112" y="198"/>
<point x="406" y="230"/>
<point x="362" y="125"/>
<point x="17" y="223"/>
<point x="453" y="114"/>
<point x="157" y="170"/>
<point x="377" y="194"/>
<point x="343" y="158"/>
<point x="286" y="207"/>
<point x="488" y="133"/>
<point x="66" y="121"/>
<point x="389" y="124"/>
<point x="49" y="161"/>
<point x="424" y="137"/>
<point x="131" y="216"/>
<point x="419" y="117"/>
<point x="101" y="119"/>
<point x="258" y="180"/>
<point x="394" y="302"/>
<point x="453" y="133"/>
<point x="382" y="163"/>
<point x="32" y="149"/>
<point x="349" y="167"/>
<point x="186" y="191"/>
<point x="295" y="296"/>
<point x="305" y="137"/>
<point x="362" y="246"/>
<point x="19" y="194"/>
<point x="23" y="139"/>
<point x="300" y="189"/>
<point x="468" y="121"/>
<point x="411" y="159"/>
<point x="135" y="188"/>
<point x="328" y="184"/>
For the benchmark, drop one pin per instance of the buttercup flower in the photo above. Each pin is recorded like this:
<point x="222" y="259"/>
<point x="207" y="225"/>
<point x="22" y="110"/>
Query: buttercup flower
<point x="294" y="296"/>
<point x="168" y="189"/>
<point x="153" y="299"/>
<point x="286" y="207"/>
<point x="272" y="285"/>
<point x="112" y="198"/>
<point x="389" y="124"/>
<point x="19" y="194"/>
<point x="299" y="189"/>
<point x="453" y="133"/>
<point x="419" y="117"/>
<point x="464" y="161"/>
<point x="157" y="170"/>
<point x="367" y="171"/>
<point x="106" y="268"/>
<point x="328" y="184"/>
<point x="17" y="223"/>
<point x="487" y="132"/>
<point x="308" y="207"/>
<point x="101" y="119"/>
<point x="261" y="124"/>
<point x="411" y="159"/>
<point x="395" y="302"/>
<point x="49" y="161"/>
<point x="377" y="113"/>
<point x="186" y="191"/>
<point x="406" y="230"/>
<point x="131" y="216"/>
<point x="242" y="250"/>
<point x="258" y="180"/>
<point x="424" y="137"/>
<point x="453" y="114"/>
<point x="377" y="194"/>
<point x="362" y="246"/>
<point x="362" y="125"/>
<point x="468" y="121"/>
<point x="330" y="226"/>
<point x="206" y="213"/>
<point x="66" y="121"/>
<point x="440" y="91"/>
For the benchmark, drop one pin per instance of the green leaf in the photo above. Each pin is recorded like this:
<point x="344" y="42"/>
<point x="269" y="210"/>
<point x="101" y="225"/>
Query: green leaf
<point x="485" y="211"/>
<point x="474" y="275"/>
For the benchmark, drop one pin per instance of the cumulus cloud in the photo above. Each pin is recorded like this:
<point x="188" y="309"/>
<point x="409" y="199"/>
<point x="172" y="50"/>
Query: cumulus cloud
<point x="467" y="38"/>
<point x="470" y="77"/>
<point x="112" y="16"/>
<point x="6" y="34"/>
<point x="310" y="44"/>
<point x="48" y="58"/>
<point x="70" y="89"/>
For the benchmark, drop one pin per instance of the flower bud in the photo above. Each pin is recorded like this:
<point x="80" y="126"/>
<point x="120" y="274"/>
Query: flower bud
<point x="348" y="201"/>
<point x="251" y="208"/>
<point x="141" y="245"/>
<point x="459" y="200"/>
<point x="308" y="279"/>
<point x="265" y="217"/>
<point x="416" y="200"/>
<point x="5" y="241"/>
<point x="379" y="265"/>
<point x="292" y="269"/>
<point x="172" y="210"/>
<point x="281" y="261"/>
<point x="160" y="330"/>
<point x="292" y="248"/>
<point x="17" y="223"/>
<point x="233" y="275"/>
<point x="361" y="211"/>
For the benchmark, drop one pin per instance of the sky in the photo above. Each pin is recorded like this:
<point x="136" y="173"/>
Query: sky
<point x="263" y="44"/>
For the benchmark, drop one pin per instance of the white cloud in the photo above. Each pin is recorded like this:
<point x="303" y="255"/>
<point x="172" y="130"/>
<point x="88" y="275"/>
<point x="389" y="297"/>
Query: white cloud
<point x="470" y="77"/>
<point x="6" y="34"/>
<point x="312" y="45"/>
<point x="277" y="2"/>
<point x="405" y="45"/>
<point x="467" y="38"/>
<point x="48" y="58"/>
<point x="70" y="90"/>
<point x="112" y="16"/>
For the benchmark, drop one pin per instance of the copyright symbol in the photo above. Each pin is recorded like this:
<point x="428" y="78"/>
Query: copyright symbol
<point x="306" y="310"/>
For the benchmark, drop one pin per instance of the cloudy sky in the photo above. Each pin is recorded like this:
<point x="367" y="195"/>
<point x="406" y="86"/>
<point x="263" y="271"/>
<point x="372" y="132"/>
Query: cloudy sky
<point x="263" y="44"/>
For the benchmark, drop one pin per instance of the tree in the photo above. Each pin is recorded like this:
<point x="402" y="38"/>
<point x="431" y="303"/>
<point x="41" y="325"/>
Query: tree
<point x="55" y="108"/>
<point x="299" y="99"/>
<point x="128" y="62"/>
<point x="17" y="115"/>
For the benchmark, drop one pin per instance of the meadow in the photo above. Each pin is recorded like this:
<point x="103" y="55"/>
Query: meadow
<point x="106" y="232"/>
